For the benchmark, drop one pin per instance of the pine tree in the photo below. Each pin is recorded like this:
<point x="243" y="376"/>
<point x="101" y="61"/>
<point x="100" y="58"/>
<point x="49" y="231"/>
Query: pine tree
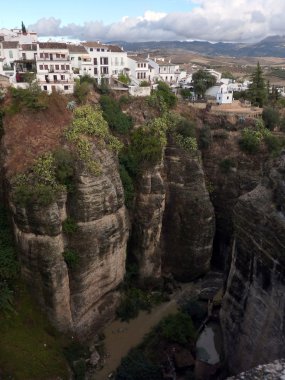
<point x="257" y="89"/>
<point x="24" y="30"/>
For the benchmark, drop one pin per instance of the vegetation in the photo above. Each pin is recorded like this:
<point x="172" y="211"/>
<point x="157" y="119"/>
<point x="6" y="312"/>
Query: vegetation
<point x="116" y="119"/>
<point x="76" y="355"/>
<point x="81" y="91"/>
<point x="144" y="83"/>
<point x="124" y="78"/>
<point x="128" y="185"/>
<point x="9" y="267"/>
<point x="186" y="93"/>
<point x="226" y="165"/>
<point x="69" y="226"/>
<point x="270" y="117"/>
<point x="30" y="348"/>
<point x="89" y="123"/>
<point x="202" y="80"/>
<point x="257" y="89"/>
<point x="71" y="258"/>
<point x="146" y="361"/>
<point x="136" y="366"/>
<point x="162" y="98"/>
<point x="32" y="98"/>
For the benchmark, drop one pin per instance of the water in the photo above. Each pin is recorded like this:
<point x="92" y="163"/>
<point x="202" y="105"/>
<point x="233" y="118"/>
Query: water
<point x="208" y="346"/>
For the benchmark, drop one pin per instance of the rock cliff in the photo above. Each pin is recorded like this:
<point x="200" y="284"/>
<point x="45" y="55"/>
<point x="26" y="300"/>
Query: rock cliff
<point x="189" y="223"/>
<point x="80" y="297"/>
<point x="253" y="310"/>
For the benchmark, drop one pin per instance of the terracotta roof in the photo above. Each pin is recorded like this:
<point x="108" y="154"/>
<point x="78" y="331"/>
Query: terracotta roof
<point x="96" y="44"/>
<point x="76" y="49"/>
<point x="52" y="45"/>
<point x="115" y="49"/>
<point x="10" y="44"/>
<point x="93" y="44"/>
<point x="29" y="47"/>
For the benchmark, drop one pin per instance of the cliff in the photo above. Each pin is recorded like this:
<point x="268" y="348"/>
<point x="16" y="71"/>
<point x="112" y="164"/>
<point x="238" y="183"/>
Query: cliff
<point x="82" y="296"/>
<point x="188" y="226"/>
<point x="252" y="314"/>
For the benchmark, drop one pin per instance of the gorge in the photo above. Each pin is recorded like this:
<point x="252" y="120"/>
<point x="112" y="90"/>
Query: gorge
<point x="192" y="209"/>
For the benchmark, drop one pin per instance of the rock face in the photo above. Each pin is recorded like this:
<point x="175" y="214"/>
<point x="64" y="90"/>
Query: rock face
<point x="147" y="223"/>
<point x="253" y="310"/>
<point x="272" y="371"/>
<point x="84" y="296"/>
<point x="188" y="222"/>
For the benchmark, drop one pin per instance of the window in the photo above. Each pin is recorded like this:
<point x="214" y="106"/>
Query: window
<point x="62" y="67"/>
<point x="66" y="87"/>
<point x="41" y="55"/>
<point x="62" y="77"/>
<point x="103" y="61"/>
<point x="10" y="54"/>
<point x="116" y="61"/>
<point x="62" y="55"/>
<point x="46" y="55"/>
<point x="67" y="67"/>
<point x="91" y="49"/>
<point x="57" y="67"/>
<point x="55" y="78"/>
<point x="122" y="61"/>
<point x="45" y="88"/>
<point x="104" y="70"/>
<point x="57" y="55"/>
<point x="95" y="71"/>
<point x="79" y="58"/>
<point x="46" y="67"/>
<point x="72" y="58"/>
<point x="41" y="67"/>
<point x="98" y="49"/>
<point x="95" y="61"/>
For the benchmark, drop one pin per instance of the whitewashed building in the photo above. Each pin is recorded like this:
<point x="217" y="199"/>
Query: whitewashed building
<point x="54" y="72"/>
<point x="224" y="95"/>
<point x="166" y="71"/>
<point x="139" y="70"/>
<point x="106" y="61"/>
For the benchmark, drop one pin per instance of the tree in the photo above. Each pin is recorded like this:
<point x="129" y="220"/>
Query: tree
<point x="24" y="30"/>
<point x="270" y="117"/>
<point x="202" y="80"/>
<point x="257" y="89"/>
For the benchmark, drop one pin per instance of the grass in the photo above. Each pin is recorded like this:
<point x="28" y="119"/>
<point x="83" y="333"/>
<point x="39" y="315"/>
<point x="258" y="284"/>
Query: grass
<point x="30" y="348"/>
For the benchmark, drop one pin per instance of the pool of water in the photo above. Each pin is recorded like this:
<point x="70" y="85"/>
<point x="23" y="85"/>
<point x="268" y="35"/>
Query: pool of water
<point x="209" y="344"/>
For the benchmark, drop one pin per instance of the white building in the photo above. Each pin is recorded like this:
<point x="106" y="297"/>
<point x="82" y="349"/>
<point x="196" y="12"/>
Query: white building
<point x="166" y="71"/>
<point x="78" y="55"/>
<point x="17" y="35"/>
<point x="215" y="74"/>
<point x="9" y="50"/>
<point x="139" y="70"/>
<point x="106" y="61"/>
<point x="54" y="72"/>
<point x="224" y="95"/>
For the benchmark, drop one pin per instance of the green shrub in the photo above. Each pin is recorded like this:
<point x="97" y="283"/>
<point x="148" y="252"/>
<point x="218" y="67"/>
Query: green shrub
<point x="144" y="83"/>
<point x="76" y="354"/>
<point x="270" y="117"/>
<point x="69" y="226"/>
<point x="136" y="366"/>
<point x="195" y="310"/>
<point x="124" y="78"/>
<point x="116" y="119"/>
<point x="71" y="258"/>
<point x="128" y="186"/>
<point x="249" y="141"/>
<point x="185" y="127"/>
<point x="164" y="91"/>
<point x="64" y="168"/>
<point x="177" y="328"/>
<point x="81" y="90"/>
<point x="124" y="99"/>
<point x="186" y="93"/>
<point x="274" y="143"/>
<point x="226" y="164"/>
<point x="32" y="98"/>
<point x="9" y="266"/>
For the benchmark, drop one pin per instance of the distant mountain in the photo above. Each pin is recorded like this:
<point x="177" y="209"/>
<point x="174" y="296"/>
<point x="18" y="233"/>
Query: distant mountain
<point x="273" y="46"/>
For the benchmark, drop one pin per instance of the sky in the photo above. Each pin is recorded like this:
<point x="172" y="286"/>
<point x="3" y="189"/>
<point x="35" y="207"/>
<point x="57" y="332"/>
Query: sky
<point x="145" y="20"/>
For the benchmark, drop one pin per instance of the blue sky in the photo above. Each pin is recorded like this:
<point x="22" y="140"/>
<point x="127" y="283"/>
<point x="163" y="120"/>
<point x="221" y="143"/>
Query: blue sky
<point x="148" y="20"/>
<point x="80" y="11"/>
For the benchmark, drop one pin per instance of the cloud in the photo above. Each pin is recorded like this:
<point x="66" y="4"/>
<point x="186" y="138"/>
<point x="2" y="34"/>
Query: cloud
<point x="213" y="20"/>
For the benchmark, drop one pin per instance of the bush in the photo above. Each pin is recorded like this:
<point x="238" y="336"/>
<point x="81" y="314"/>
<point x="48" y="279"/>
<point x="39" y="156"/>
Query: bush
<point x="136" y="366"/>
<point x="185" y="127"/>
<point x="144" y="83"/>
<point x="168" y="96"/>
<point x="9" y="266"/>
<point x="128" y="186"/>
<point x="71" y="258"/>
<point x="270" y="117"/>
<point x="250" y="141"/>
<point x="112" y="113"/>
<point x="69" y="226"/>
<point x="195" y="310"/>
<point x="274" y="144"/>
<point x="177" y="328"/>
<point x="226" y="165"/>
<point x="81" y="91"/>
<point x="186" y="93"/>
<point x="32" y="98"/>
<point x="64" y="167"/>
<point x="76" y="354"/>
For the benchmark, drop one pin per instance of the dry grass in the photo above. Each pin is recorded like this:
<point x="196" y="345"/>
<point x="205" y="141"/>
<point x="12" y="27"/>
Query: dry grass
<point x="29" y="134"/>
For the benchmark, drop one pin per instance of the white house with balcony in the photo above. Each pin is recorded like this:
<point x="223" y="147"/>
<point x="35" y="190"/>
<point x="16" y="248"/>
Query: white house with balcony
<point x="9" y="51"/>
<point x="139" y="70"/>
<point x="78" y="55"/>
<point x="54" y="72"/>
<point x="166" y="71"/>
<point x="106" y="61"/>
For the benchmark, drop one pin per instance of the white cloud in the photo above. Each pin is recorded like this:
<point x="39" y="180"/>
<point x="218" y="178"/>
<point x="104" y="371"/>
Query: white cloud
<point x="214" y="20"/>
